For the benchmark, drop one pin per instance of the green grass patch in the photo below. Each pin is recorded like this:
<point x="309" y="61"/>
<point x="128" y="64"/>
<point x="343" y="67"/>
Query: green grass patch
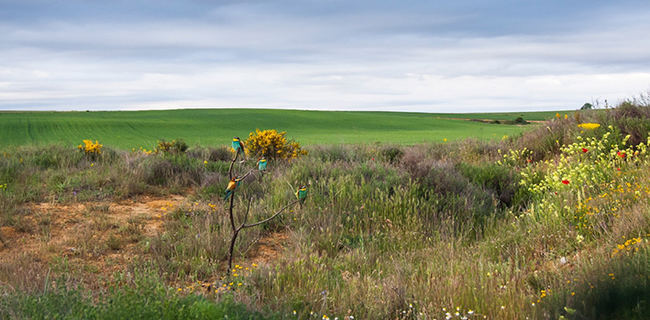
<point x="133" y="129"/>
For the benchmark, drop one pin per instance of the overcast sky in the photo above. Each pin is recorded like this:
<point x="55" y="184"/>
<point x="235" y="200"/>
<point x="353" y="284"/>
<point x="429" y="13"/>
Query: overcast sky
<point x="425" y="56"/>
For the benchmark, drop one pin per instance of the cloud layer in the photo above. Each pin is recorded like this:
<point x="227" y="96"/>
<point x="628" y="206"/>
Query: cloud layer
<point x="364" y="55"/>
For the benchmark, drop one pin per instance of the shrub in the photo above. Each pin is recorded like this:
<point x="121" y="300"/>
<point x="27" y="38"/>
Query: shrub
<point x="499" y="180"/>
<point x="391" y="154"/>
<point x="273" y="145"/>
<point x="174" y="146"/>
<point x="170" y="170"/>
<point x="91" y="148"/>
<point x="520" y="120"/>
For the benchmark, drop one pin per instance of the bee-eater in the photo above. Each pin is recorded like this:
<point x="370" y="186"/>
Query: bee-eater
<point x="238" y="146"/>
<point x="232" y="185"/>
<point x="301" y="194"/>
<point x="261" y="164"/>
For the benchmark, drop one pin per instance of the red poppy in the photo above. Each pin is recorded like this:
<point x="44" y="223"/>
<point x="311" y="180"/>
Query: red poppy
<point x="618" y="169"/>
<point x="565" y="181"/>
<point x="584" y="150"/>
<point x="621" y="154"/>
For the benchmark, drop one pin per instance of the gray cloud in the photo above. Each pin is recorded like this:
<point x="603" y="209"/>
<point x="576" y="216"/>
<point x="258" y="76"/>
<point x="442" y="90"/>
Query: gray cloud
<point x="415" y="56"/>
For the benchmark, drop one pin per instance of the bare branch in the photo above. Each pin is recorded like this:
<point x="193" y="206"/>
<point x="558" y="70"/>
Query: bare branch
<point x="250" y="200"/>
<point x="271" y="217"/>
<point x="232" y="163"/>
<point x="232" y="217"/>
<point x="248" y="173"/>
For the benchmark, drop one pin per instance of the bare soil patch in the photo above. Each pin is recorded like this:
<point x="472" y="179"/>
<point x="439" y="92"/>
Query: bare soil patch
<point x="95" y="239"/>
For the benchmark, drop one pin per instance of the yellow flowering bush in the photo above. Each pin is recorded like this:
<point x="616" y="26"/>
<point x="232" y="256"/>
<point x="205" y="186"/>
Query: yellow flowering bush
<point x="90" y="148"/>
<point x="516" y="158"/>
<point x="628" y="246"/>
<point x="272" y="145"/>
<point x="585" y="184"/>
<point x="589" y="126"/>
<point x="587" y="162"/>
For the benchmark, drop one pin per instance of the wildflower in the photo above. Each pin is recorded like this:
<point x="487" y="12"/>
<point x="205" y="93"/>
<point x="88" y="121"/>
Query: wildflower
<point x="584" y="150"/>
<point x="566" y="116"/>
<point x="621" y="154"/>
<point x="565" y="181"/>
<point x="444" y="140"/>
<point x="589" y="126"/>
<point x="205" y="161"/>
<point x="573" y="293"/>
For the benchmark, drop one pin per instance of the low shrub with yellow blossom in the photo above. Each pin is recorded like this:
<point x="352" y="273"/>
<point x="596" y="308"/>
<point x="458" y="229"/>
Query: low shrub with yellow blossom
<point x="587" y="162"/>
<point x="91" y="148"/>
<point x="585" y="184"/>
<point x="589" y="126"/>
<point x="630" y="245"/>
<point x="273" y="145"/>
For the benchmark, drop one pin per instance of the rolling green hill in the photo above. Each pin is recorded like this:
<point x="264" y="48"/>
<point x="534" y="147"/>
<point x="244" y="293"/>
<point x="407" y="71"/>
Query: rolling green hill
<point x="128" y="129"/>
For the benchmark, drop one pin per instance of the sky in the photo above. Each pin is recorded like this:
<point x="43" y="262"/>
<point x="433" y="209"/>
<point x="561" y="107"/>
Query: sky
<point x="420" y="56"/>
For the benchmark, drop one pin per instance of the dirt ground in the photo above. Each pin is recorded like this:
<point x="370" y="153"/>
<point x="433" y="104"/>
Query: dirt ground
<point x="95" y="239"/>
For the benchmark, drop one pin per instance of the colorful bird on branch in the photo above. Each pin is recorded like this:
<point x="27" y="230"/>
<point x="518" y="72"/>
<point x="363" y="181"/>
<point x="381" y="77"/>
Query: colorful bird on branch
<point x="301" y="194"/>
<point x="232" y="185"/>
<point x="261" y="164"/>
<point x="238" y="146"/>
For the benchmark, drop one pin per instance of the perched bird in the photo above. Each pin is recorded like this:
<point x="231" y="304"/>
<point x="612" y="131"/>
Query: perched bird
<point x="232" y="185"/>
<point x="261" y="164"/>
<point x="301" y="194"/>
<point x="238" y="146"/>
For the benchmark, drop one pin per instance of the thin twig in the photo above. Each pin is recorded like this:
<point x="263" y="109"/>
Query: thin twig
<point x="247" y="174"/>
<point x="232" y="217"/>
<point x="250" y="200"/>
<point x="271" y="217"/>
<point x="232" y="163"/>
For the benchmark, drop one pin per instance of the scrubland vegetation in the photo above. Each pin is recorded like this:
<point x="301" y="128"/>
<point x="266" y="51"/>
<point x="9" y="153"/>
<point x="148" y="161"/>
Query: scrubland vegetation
<point x="550" y="224"/>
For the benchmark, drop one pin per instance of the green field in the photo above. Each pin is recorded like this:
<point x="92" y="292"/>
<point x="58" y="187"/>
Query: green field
<point x="129" y="129"/>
